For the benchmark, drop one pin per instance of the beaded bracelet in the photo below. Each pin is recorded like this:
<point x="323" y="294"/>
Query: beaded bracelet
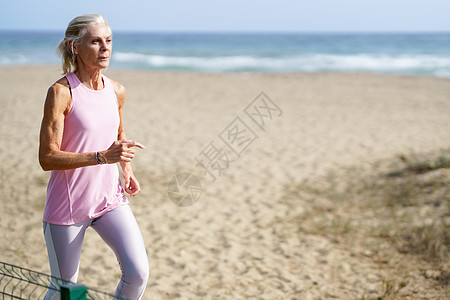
<point x="98" y="159"/>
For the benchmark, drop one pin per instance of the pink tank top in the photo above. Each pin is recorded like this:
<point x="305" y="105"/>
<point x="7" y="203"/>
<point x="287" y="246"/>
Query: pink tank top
<point x="80" y="194"/>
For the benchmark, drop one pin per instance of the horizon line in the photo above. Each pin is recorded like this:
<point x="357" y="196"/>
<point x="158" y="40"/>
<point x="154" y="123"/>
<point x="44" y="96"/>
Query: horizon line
<point x="242" y="31"/>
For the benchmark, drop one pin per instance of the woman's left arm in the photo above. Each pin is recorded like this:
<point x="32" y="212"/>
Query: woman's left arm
<point x="131" y="184"/>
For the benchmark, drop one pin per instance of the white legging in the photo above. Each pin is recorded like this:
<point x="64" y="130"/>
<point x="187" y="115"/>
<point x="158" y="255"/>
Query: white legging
<point x="118" y="228"/>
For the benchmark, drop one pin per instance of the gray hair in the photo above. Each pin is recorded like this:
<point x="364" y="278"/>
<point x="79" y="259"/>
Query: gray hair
<point x="74" y="33"/>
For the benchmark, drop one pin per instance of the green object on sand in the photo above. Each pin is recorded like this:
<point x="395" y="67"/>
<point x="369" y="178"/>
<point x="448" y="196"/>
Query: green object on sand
<point x="73" y="292"/>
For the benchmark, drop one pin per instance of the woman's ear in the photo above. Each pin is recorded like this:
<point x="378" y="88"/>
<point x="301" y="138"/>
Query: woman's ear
<point x="73" y="48"/>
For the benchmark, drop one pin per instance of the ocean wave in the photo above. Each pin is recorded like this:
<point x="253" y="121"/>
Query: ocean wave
<point x="409" y="64"/>
<point x="16" y="59"/>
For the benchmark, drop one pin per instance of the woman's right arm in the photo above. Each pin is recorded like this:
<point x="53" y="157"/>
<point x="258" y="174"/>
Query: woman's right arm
<point x="57" y="106"/>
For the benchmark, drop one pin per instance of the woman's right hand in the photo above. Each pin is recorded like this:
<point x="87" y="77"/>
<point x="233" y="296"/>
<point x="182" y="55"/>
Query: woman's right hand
<point x="120" y="151"/>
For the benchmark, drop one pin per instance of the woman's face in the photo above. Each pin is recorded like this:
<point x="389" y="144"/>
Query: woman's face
<point x="94" y="51"/>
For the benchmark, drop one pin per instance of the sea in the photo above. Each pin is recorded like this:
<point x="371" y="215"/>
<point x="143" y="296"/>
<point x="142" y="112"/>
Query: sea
<point x="425" y="53"/>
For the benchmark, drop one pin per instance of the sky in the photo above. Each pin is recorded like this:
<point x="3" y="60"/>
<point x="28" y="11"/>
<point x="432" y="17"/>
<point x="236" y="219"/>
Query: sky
<point x="234" y="15"/>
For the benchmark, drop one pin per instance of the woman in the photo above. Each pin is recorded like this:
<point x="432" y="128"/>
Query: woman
<point x="82" y="138"/>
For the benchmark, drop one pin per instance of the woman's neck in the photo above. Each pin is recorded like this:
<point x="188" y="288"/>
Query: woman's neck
<point x="90" y="78"/>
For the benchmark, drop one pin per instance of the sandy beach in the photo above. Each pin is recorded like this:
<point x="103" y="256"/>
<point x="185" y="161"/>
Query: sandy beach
<point x="237" y="240"/>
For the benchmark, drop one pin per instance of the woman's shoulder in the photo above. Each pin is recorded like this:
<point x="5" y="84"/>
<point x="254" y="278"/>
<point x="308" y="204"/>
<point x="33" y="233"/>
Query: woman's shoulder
<point x="59" y="92"/>
<point x="119" y="90"/>
<point x="61" y="86"/>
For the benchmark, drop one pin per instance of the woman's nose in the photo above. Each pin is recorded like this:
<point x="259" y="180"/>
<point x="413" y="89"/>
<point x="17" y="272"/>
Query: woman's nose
<point x="105" y="46"/>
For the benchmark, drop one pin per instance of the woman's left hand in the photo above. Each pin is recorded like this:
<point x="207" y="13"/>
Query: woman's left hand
<point x="131" y="184"/>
